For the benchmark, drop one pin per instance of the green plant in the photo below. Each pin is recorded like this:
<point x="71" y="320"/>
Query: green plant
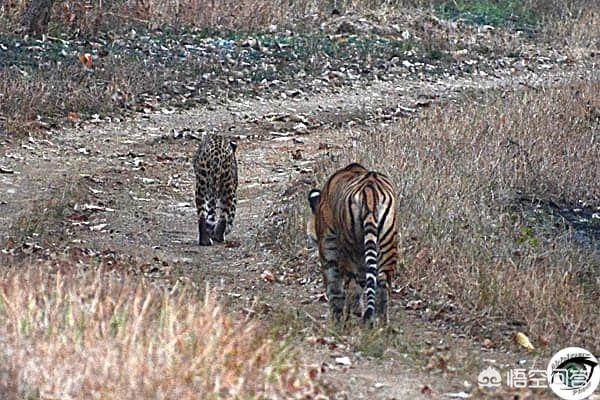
<point x="490" y="12"/>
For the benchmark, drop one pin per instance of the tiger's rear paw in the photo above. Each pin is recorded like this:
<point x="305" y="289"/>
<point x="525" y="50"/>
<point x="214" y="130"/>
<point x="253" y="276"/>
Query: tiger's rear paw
<point x="368" y="319"/>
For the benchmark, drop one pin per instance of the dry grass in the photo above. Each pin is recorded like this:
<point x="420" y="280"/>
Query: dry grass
<point x="576" y="34"/>
<point x="65" y="333"/>
<point x="251" y="15"/>
<point x="45" y="220"/>
<point x="230" y="15"/>
<point x="33" y="85"/>
<point x="85" y="17"/>
<point x="115" y="84"/>
<point x="477" y="247"/>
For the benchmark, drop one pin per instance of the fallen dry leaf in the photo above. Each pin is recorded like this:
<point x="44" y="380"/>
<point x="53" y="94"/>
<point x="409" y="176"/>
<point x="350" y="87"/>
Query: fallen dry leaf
<point x="267" y="276"/>
<point x="73" y="116"/>
<point x="86" y="60"/>
<point x="523" y="340"/>
<point x="230" y="244"/>
<point x="345" y="361"/>
<point x="78" y="217"/>
<point x="426" y="390"/>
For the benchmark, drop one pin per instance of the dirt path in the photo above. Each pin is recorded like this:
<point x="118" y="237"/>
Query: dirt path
<point x="138" y="200"/>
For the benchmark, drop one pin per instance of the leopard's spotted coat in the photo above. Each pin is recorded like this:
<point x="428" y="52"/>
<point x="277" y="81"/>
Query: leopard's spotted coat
<point x="215" y="167"/>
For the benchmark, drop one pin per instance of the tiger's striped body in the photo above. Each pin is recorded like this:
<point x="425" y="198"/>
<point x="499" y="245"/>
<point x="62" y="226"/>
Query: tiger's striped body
<point x="356" y="232"/>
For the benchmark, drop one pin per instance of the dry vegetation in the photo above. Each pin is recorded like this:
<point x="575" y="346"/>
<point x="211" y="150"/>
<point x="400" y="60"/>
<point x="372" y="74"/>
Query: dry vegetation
<point x="252" y="15"/>
<point x="90" y="17"/>
<point x="67" y="333"/>
<point x="45" y="221"/>
<point x="480" y="245"/>
<point x="36" y="99"/>
<point x="124" y="77"/>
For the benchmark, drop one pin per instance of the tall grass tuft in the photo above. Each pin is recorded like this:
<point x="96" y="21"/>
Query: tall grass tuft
<point x="71" y="334"/>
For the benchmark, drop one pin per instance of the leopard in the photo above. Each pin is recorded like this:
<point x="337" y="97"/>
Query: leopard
<point x="216" y="171"/>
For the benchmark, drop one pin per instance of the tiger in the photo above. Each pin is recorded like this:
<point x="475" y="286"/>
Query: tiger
<point x="354" y="225"/>
<point x="215" y="167"/>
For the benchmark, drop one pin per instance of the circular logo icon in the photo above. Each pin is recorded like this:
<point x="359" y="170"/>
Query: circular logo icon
<point x="489" y="377"/>
<point x="573" y="373"/>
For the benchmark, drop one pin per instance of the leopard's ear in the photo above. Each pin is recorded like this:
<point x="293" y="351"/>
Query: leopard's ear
<point x="233" y="145"/>
<point x="314" y="197"/>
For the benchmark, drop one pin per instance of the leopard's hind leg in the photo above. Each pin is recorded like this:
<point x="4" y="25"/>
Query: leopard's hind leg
<point x="205" y="207"/>
<point x="226" y="207"/>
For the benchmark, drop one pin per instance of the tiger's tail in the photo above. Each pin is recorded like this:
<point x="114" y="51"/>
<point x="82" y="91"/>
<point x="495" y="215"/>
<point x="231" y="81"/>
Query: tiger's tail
<point x="371" y="254"/>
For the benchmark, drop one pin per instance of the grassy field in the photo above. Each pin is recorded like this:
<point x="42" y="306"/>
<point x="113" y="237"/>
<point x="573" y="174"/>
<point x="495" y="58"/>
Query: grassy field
<point x="475" y="183"/>
<point x="130" y="46"/>
<point x="73" y="332"/>
<point x="253" y="15"/>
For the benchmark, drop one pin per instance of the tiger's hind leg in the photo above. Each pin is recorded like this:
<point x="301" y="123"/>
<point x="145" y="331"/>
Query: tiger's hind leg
<point x="333" y="276"/>
<point x="353" y="298"/>
<point x="335" y="291"/>
<point x="384" y="287"/>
